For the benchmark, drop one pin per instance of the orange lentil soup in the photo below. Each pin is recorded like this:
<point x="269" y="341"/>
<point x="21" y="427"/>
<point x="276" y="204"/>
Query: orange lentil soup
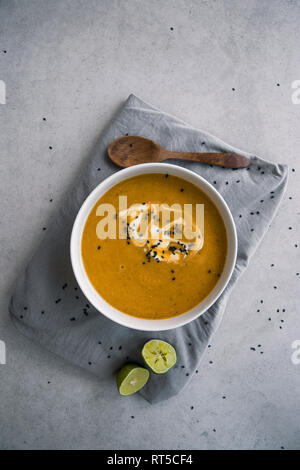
<point x="156" y="277"/>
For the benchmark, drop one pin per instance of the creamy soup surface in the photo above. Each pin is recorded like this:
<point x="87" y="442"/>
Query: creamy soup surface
<point x="154" y="274"/>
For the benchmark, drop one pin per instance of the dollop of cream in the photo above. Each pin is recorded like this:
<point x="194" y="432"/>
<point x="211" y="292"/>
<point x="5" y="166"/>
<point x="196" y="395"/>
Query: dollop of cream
<point x="166" y="243"/>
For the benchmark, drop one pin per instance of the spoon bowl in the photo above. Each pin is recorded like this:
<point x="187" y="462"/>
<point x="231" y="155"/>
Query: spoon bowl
<point x="131" y="150"/>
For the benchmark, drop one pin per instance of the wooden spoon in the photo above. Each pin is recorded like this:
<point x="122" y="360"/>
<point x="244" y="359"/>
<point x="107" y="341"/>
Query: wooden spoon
<point x="132" y="150"/>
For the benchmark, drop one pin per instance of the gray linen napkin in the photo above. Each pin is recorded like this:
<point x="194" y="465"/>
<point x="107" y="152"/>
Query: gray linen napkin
<point x="48" y="306"/>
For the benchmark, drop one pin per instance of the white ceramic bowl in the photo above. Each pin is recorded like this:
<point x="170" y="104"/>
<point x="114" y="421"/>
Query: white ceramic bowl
<point x="93" y="296"/>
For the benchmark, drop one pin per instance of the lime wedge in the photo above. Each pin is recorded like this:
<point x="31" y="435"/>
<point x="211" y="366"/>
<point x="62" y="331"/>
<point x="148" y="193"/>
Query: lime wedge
<point x="131" y="378"/>
<point x="159" y="355"/>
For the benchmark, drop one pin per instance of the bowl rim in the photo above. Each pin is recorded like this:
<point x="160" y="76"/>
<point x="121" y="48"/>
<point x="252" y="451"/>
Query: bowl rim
<point x="95" y="298"/>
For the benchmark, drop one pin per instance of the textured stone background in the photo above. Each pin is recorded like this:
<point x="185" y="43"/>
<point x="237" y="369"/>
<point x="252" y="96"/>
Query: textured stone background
<point x="224" y="66"/>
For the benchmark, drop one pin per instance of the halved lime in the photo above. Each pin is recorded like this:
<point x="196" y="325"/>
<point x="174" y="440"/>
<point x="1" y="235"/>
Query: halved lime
<point x="131" y="378"/>
<point x="159" y="355"/>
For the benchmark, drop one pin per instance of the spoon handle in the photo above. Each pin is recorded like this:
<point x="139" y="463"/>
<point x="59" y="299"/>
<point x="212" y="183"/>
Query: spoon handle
<point x="229" y="160"/>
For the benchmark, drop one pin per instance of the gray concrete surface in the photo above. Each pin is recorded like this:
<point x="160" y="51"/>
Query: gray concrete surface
<point x="226" y="67"/>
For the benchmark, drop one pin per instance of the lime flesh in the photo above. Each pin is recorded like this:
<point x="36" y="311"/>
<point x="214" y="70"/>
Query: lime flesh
<point x="159" y="355"/>
<point x="131" y="378"/>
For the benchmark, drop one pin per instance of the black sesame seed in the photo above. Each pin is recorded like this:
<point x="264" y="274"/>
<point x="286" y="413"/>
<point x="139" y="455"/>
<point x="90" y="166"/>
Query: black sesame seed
<point x="192" y="407"/>
<point x="120" y="347"/>
<point x="72" y="319"/>
<point x="50" y="148"/>
<point x="57" y="301"/>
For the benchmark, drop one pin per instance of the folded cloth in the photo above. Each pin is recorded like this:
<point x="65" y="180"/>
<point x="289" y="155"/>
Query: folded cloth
<point x="47" y="305"/>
